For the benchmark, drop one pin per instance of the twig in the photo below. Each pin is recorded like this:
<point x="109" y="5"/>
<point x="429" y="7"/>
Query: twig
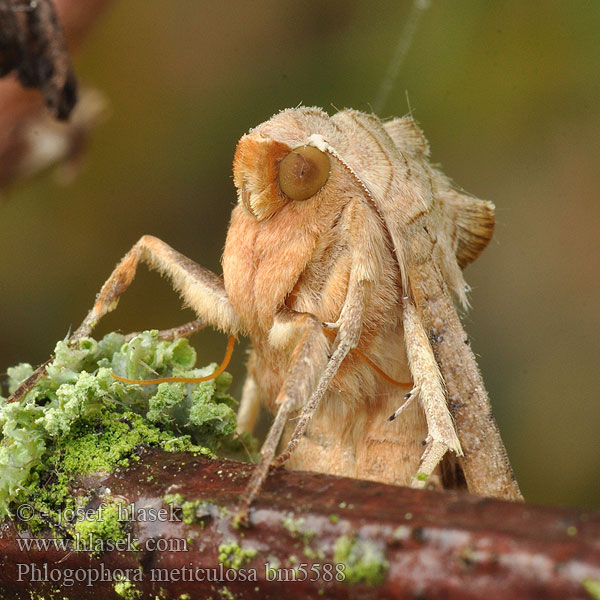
<point x="391" y="542"/>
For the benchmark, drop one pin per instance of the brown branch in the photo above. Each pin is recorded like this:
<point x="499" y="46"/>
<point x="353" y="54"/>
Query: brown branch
<point x="421" y="544"/>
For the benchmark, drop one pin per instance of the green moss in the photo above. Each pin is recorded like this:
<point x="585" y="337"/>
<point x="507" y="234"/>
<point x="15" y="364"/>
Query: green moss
<point x="232" y="555"/>
<point x="192" y="511"/>
<point x="88" y="451"/>
<point x="334" y="518"/>
<point x="298" y="530"/>
<point x="226" y="594"/>
<point x="127" y="590"/>
<point x="105" y="525"/>
<point x="79" y="420"/>
<point x="422" y="476"/>
<point x="363" y="559"/>
<point x="592" y="587"/>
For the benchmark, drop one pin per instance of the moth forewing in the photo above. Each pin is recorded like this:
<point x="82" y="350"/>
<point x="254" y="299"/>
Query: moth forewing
<point x="485" y="463"/>
<point x="451" y="235"/>
<point x="436" y="231"/>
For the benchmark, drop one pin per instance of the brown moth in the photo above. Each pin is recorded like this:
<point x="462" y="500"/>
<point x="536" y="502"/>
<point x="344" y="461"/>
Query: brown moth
<point x="346" y="242"/>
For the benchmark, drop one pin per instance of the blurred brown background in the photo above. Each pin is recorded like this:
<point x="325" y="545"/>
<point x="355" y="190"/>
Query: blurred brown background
<point x="508" y="94"/>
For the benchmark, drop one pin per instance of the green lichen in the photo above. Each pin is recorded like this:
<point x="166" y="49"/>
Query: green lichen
<point x="592" y="587"/>
<point x="192" y="511"/>
<point x="291" y="561"/>
<point x="297" y="528"/>
<point x="313" y="554"/>
<point x="364" y="560"/>
<point x="105" y="526"/>
<point x="233" y="556"/>
<point x="127" y="590"/>
<point x="79" y="420"/>
<point x="226" y="594"/>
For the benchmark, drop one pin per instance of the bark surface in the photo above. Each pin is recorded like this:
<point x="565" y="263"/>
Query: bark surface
<point x="394" y="542"/>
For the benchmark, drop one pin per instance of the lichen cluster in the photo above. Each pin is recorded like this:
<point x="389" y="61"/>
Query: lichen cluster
<point x="79" y="420"/>
<point x="234" y="556"/>
<point x="364" y="560"/>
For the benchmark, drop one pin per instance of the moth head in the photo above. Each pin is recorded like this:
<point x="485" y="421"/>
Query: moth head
<point x="268" y="173"/>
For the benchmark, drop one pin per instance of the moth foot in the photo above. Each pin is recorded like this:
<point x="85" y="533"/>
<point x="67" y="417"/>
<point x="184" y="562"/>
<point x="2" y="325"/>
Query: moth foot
<point x="434" y="452"/>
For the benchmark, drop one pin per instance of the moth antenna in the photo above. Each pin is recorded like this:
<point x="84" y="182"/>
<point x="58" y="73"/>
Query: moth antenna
<point x="218" y="371"/>
<point x="404" y="41"/>
<point x="410" y="111"/>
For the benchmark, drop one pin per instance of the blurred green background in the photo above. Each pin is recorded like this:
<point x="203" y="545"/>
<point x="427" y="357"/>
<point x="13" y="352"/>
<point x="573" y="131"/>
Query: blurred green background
<point x="508" y="94"/>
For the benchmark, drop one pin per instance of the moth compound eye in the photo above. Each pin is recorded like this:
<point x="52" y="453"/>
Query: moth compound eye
<point x="303" y="172"/>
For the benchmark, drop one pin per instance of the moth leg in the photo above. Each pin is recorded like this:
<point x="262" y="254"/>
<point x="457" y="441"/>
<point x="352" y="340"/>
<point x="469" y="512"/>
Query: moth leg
<point x="363" y="275"/>
<point x="200" y="288"/>
<point x="185" y="330"/>
<point x="307" y="366"/>
<point x="432" y="457"/>
<point x="307" y="362"/>
<point x="350" y="324"/>
<point x="430" y="388"/>
<point x="310" y="408"/>
<point x="249" y="407"/>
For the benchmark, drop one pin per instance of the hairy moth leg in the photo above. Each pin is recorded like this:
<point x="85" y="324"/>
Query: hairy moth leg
<point x="202" y="290"/>
<point x="186" y="330"/>
<point x="249" y="406"/>
<point x="309" y="363"/>
<point x="349" y="326"/>
<point x="306" y="365"/>
<point x="364" y="273"/>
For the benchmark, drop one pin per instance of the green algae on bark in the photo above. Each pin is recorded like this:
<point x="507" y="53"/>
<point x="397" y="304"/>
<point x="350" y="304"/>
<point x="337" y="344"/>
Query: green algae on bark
<point x="364" y="560"/>
<point x="79" y="420"/>
<point x="234" y="556"/>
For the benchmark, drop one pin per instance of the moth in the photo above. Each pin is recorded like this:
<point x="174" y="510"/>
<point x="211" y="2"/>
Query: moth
<point x="343" y="256"/>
